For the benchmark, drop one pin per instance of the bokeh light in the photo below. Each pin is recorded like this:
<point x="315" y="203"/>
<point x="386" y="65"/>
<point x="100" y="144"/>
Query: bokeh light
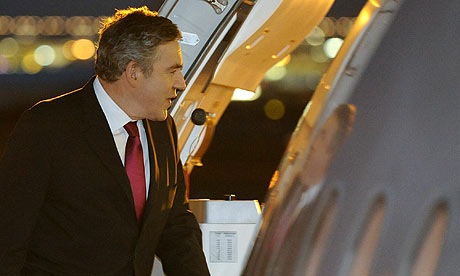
<point x="276" y="73"/>
<point x="332" y="46"/>
<point x="327" y="25"/>
<point x="80" y="25"/>
<point x="61" y="40"/>
<point x="8" y="47"/>
<point x="318" y="55"/>
<point x="53" y="25"/>
<point x="67" y="50"/>
<point x="4" y="65"/>
<point x="274" y="109"/>
<point x="343" y="26"/>
<point x="60" y="60"/>
<point x="83" y="49"/>
<point x="4" y="24"/>
<point x="44" y="55"/>
<point x="26" y="25"/>
<point x="29" y="65"/>
<point x="316" y="37"/>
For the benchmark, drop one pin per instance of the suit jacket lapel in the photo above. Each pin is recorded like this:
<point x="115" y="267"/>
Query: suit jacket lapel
<point x="153" y="157"/>
<point x="97" y="132"/>
<point x="163" y="167"/>
<point x="154" y="196"/>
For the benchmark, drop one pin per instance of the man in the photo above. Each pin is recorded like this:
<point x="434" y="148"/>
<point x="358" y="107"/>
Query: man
<point x="83" y="194"/>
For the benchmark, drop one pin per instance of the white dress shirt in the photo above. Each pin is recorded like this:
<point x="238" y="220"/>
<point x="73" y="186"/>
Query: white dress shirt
<point x="117" y="118"/>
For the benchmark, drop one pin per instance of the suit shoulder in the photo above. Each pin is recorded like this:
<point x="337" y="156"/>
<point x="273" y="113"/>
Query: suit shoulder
<point x="65" y="103"/>
<point x="55" y="102"/>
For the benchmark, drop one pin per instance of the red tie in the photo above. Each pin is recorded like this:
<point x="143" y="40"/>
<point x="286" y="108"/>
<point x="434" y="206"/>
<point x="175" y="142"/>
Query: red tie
<point x="134" y="164"/>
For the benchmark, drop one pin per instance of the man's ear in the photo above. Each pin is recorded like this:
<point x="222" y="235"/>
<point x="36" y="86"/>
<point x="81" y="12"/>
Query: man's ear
<point x="132" y="72"/>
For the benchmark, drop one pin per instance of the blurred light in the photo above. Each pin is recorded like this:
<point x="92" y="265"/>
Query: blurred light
<point x="26" y="25"/>
<point x="4" y="65"/>
<point x="317" y="54"/>
<point x="8" y="47"/>
<point x="332" y="46"/>
<point x="316" y="37"/>
<point x="29" y="65"/>
<point x="343" y="25"/>
<point x="83" y="49"/>
<point x="67" y="50"/>
<point x="14" y="64"/>
<point x="44" y="55"/>
<point x="276" y="73"/>
<point x="327" y="25"/>
<point x="53" y="25"/>
<point x="5" y="24"/>
<point x="80" y="25"/>
<point x="274" y="109"/>
<point x="246" y="95"/>
<point x="60" y="60"/>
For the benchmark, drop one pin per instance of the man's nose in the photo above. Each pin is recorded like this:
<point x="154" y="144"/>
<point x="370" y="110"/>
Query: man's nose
<point x="180" y="82"/>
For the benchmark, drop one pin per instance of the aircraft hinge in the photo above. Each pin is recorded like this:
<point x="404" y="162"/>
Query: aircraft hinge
<point x="218" y="5"/>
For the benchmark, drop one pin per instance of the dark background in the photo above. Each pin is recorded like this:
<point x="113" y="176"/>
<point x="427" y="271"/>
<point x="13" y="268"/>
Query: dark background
<point x="247" y="145"/>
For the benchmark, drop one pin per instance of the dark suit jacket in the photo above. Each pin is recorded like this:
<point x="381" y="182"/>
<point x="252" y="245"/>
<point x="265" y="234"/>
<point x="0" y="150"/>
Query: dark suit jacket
<point x="66" y="206"/>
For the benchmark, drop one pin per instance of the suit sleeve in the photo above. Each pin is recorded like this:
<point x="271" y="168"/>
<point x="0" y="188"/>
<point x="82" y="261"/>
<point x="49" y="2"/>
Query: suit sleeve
<point x="24" y="168"/>
<point x="180" y="247"/>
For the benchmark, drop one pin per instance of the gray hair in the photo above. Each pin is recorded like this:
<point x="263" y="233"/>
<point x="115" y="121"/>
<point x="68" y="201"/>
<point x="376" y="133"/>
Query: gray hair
<point x="131" y="34"/>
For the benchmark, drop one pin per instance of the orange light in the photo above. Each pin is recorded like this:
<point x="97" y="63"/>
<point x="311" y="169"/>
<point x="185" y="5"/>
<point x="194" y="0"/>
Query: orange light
<point x="83" y="49"/>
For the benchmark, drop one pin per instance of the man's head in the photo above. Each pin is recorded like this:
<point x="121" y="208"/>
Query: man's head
<point x="139" y="62"/>
<point x="132" y="34"/>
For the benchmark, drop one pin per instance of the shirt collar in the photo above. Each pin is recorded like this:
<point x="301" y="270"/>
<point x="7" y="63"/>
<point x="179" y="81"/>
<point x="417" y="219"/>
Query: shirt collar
<point x="116" y="117"/>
